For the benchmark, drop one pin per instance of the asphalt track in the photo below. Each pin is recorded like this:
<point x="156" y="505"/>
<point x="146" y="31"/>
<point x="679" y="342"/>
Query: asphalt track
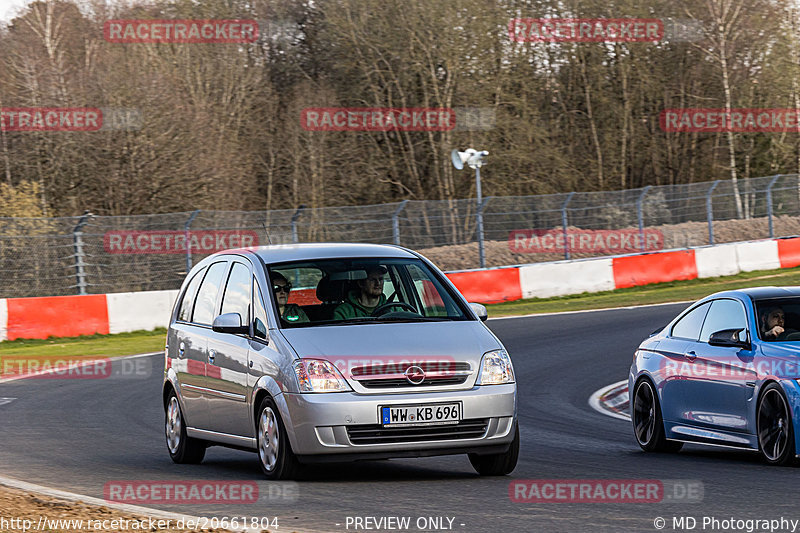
<point x="77" y="435"/>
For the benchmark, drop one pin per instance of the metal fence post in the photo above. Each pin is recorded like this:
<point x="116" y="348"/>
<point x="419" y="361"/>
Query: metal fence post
<point x="710" y="212"/>
<point x="295" y="216"/>
<point x="479" y="216"/>
<point x="80" y="264"/>
<point x="769" y="204"/>
<point x="640" y="216"/>
<point x="186" y="233"/>
<point x="564" y="222"/>
<point x="396" y="222"/>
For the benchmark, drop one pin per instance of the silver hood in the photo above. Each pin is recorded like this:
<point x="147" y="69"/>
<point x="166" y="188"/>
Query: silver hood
<point x="396" y="344"/>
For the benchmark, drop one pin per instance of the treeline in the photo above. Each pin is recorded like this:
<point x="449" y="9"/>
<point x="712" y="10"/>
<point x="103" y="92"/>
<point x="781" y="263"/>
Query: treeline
<point x="219" y="124"/>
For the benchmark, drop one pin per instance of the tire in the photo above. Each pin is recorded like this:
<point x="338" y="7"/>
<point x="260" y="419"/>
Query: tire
<point x="648" y="425"/>
<point x="182" y="449"/>
<point x="275" y="453"/>
<point x="774" y="427"/>
<point x="498" y="464"/>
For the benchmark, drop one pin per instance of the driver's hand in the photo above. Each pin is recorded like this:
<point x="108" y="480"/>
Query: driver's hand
<point x="774" y="332"/>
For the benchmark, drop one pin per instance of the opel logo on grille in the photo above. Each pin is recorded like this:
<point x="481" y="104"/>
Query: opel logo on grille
<point x="415" y="375"/>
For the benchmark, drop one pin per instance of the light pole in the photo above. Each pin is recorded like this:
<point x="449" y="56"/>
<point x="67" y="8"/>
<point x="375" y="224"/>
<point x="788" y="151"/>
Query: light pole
<point x="474" y="159"/>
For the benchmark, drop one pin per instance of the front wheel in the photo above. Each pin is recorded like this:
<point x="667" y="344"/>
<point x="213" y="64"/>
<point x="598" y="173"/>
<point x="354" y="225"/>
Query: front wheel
<point x="498" y="464"/>
<point x="774" y="426"/>
<point x="648" y="426"/>
<point x="182" y="449"/>
<point x="274" y="451"/>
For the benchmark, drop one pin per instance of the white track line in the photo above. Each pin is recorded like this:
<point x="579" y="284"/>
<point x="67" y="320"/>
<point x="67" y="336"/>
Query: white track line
<point x="590" y="310"/>
<point x="594" y="401"/>
<point x="72" y="497"/>
<point x="78" y="365"/>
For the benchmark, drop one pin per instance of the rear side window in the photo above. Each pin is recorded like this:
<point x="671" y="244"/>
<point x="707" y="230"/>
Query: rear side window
<point x="689" y="326"/>
<point x="207" y="295"/>
<point x="185" y="311"/>
<point x="237" y="293"/>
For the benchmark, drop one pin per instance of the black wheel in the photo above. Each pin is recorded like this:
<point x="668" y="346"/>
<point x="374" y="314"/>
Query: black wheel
<point x="182" y="449"/>
<point x="774" y="426"/>
<point x="648" y="426"/>
<point x="274" y="451"/>
<point x="498" y="464"/>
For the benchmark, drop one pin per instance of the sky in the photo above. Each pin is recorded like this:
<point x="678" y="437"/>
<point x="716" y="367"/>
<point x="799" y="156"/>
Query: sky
<point x="9" y="7"/>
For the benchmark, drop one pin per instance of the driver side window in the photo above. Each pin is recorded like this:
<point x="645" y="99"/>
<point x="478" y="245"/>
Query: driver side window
<point x="725" y="314"/>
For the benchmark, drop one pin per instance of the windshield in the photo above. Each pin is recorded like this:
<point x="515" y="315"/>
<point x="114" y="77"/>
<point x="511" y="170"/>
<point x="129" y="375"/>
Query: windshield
<point x="779" y="319"/>
<point x="360" y="291"/>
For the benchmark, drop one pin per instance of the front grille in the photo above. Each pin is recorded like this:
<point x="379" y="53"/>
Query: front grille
<point x="403" y="382"/>
<point x="390" y="375"/>
<point x="377" y="434"/>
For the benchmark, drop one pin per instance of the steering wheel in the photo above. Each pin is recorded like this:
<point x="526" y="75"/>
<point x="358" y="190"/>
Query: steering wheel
<point x="380" y="310"/>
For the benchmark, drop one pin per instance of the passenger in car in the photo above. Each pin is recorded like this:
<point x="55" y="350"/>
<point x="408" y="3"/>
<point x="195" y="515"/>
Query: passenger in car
<point x="363" y="301"/>
<point x="289" y="312"/>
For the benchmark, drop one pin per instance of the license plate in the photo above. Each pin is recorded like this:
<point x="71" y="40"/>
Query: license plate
<point x="421" y="415"/>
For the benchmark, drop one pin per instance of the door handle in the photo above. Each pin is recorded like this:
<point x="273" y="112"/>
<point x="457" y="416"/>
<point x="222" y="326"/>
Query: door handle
<point x="211" y="355"/>
<point x="181" y="349"/>
<point x="691" y="355"/>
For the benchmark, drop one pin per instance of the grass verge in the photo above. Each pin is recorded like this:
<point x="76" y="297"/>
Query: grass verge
<point x="673" y="291"/>
<point x="88" y="345"/>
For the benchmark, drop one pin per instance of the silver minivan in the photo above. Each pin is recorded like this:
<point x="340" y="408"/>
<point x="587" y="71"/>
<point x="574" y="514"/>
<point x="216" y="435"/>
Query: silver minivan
<point x="334" y="352"/>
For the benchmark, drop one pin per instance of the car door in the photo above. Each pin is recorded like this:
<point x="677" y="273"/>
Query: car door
<point x="192" y="347"/>
<point x="682" y="338"/>
<point x="227" y="370"/>
<point x="187" y="355"/>
<point x="725" y="377"/>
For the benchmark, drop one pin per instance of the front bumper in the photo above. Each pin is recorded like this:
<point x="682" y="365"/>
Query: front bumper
<point x="318" y="423"/>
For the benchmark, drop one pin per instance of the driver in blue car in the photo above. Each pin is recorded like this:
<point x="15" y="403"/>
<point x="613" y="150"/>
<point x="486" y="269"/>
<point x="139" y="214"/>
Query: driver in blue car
<point x="363" y="301"/>
<point x="773" y="325"/>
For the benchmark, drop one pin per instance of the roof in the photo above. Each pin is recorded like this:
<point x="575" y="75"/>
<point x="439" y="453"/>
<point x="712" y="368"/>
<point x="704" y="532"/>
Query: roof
<point x="758" y="293"/>
<point x="308" y="251"/>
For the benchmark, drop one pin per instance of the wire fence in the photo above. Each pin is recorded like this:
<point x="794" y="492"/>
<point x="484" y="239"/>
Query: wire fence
<point x="102" y="254"/>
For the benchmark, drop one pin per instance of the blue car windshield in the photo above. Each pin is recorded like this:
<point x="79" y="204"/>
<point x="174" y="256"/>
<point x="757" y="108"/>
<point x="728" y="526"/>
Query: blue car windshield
<point x="361" y="291"/>
<point x="778" y="319"/>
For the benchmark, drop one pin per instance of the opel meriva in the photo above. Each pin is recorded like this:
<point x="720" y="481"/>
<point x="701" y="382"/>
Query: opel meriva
<point x="334" y="352"/>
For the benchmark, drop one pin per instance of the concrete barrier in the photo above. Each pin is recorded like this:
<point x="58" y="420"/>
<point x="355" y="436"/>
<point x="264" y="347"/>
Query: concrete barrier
<point x="757" y="255"/>
<point x="133" y="311"/>
<point x="713" y="261"/>
<point x="544" y="280"/>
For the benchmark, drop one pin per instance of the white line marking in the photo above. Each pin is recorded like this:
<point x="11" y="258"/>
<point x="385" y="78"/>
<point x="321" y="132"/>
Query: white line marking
<point x="597" y="405"/>
<point x="590" y="310"/>
<point x="80" y="365"/>
<point x="4" y="401"/>
<point x="72" y="497"/>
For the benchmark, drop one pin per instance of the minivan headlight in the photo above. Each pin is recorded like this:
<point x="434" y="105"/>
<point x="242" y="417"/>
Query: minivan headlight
<point x="496" y="368"/>
<point x="319" y="375"/>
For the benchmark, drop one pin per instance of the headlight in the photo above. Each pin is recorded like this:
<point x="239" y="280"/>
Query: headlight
<point x="319" y="375"/>
<point x="496" y="368"/>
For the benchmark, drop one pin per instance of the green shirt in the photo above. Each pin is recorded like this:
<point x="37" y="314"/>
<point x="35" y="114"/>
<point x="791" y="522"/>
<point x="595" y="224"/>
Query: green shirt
<point x="352" y="308"/>
<point x="293" y="314"/>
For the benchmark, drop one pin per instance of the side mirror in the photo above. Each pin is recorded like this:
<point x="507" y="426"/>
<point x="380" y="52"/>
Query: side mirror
<point x="479" y="310"/>
<point x="728" y="338"/>
<point x="229" y="323"/>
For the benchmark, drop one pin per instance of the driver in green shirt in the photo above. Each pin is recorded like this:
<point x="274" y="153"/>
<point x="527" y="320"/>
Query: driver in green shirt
<point x="364" y="300"/>
<point x="291" y="313"/>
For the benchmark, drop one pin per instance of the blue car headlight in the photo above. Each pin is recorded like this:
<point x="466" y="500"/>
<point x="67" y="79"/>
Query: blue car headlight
<point x="496" y="368"/>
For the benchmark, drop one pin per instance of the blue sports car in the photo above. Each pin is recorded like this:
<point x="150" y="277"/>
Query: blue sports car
<point x="724" y="372"/>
